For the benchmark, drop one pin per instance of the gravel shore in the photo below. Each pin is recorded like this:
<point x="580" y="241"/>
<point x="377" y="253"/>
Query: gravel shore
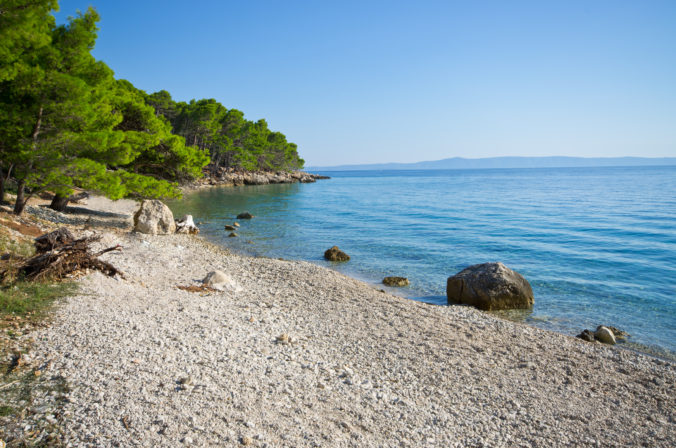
<point x="303" y="356"/>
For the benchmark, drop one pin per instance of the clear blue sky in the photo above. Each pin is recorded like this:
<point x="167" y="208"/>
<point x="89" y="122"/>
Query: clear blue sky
<point x="388" y="81"/>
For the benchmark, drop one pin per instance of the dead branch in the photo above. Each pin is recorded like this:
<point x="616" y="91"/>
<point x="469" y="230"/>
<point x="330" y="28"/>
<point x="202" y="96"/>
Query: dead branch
<point x="60" y="255"/>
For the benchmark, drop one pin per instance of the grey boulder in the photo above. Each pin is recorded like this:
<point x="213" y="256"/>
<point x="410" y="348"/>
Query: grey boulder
<point x="490" y="286"/>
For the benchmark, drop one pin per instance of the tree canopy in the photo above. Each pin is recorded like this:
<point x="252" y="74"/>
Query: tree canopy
<point x="66" y="122"/>
<point x="231" y="140"/>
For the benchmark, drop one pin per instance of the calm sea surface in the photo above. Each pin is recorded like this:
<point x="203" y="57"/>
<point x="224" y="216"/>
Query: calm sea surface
<point x="598" y="245"/>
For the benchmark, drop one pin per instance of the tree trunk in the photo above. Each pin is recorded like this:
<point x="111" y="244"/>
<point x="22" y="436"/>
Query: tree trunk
<point x="21" y="200"/>
<point x="3" y="182"/>
<point x="2" y="187"/>
<point x="59" y="203"/>
<point x="20" y="203"/>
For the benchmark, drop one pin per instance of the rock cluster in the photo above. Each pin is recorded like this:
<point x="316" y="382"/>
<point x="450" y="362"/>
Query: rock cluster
<point x="605" y="334"/>
<point x="238" y="178"/>
<point x="155" y="218"/>
<point x="335" y="254"/>
<point x="396" y="281"/>
<point x="490" y="286"/>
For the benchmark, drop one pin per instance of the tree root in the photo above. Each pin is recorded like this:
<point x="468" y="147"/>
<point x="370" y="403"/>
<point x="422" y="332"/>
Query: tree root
<point x="59" y="255"/>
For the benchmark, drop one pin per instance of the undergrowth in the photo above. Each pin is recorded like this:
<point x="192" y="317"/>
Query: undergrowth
<point x="31" y="300"/>
<point x="9" y="243"/>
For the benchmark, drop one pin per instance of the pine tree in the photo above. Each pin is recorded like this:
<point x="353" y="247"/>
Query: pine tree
<point x="65" y="122"/>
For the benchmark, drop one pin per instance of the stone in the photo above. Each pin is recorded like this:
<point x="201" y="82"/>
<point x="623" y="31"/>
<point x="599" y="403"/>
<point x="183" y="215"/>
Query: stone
<point x="605" y="335"/>
<point x="236" y="224"/>
<point x="227" y="227"/>
<point x="220" y="280"/>
<point x="245" y="215"/>
<point x="154" y="218"/>
<point x="232" y="235"/>
<point x="186" y="380"/>
<point x="335" y="254"/>
<point x="186" y="225"/>
<point x="586" y="335"/>
<point x="396" y="281"/>
<point x="490" y="286"/>
<point x="284" y="338"/>
<point x="619" y="334"/>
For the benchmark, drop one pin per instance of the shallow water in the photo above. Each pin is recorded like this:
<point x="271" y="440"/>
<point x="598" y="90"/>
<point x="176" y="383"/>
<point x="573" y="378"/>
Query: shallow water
<point x="598" y="245"/>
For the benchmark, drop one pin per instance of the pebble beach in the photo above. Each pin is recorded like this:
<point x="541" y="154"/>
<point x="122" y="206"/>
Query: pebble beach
<point x="296" y="355"/>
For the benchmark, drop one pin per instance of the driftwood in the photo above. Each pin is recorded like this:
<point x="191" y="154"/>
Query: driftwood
<point x="197" y="288"/>
<point x="52" y="240"/>
<point x="60" y="255"/>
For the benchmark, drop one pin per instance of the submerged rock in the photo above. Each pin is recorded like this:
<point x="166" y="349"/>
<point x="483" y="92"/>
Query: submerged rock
<point x="586" y="335"/>
<point x="232" y="235"/>
<point x="620" y="335"/>
<point x="396" y="281"/>
<point x="335" y="254"/>
<point x="245" y="215"/>
<point x="490" y="286"/>
<point x="154" y="218"/>
<point x="228" y="227"/>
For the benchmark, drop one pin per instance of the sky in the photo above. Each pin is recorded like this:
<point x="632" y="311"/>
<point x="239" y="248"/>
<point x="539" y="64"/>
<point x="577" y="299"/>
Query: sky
<point x="356" y="82"/>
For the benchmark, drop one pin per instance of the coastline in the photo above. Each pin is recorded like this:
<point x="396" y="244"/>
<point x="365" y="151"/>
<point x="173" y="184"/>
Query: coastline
<point x="235" y="178"/>
<point x="362" y="368"/>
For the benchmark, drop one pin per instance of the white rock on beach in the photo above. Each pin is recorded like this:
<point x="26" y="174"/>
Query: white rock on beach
<point x="221" y="281"/>
<point x="154" y="218"/>
<point x="186" y="225"/>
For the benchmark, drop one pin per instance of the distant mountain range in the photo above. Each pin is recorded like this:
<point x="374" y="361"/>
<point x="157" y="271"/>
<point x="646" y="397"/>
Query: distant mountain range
<point x="460" y="163"/>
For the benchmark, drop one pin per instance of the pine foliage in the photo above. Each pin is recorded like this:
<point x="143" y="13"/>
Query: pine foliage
<point x="66" y="122"/>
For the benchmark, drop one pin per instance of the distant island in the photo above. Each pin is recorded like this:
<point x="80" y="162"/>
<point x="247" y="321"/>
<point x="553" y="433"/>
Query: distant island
<point x="461" y="163"/>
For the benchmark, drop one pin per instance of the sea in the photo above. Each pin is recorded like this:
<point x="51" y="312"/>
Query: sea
<point x="598" y="245"/>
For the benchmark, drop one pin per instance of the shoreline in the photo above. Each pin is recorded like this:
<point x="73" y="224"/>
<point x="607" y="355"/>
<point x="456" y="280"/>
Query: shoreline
<point x="358" y="367"/>
<point x="515" y="316"/>
<point x="537" y="318"/>
<point x="236" y="178"/>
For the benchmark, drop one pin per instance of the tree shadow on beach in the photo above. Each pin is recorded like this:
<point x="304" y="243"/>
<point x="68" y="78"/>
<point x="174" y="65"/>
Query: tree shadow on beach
<point x="71" y="210"/>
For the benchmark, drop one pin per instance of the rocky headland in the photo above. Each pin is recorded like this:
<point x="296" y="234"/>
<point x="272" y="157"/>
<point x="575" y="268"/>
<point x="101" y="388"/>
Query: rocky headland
<point x="234" y="178"/>
<point x="200" y="347"/>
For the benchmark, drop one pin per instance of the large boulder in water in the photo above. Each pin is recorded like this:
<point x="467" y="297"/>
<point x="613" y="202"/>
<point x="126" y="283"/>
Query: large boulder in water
<point x="155" y="218"/>
<point x="490" y="286"/>
<point x="335" y="254"/>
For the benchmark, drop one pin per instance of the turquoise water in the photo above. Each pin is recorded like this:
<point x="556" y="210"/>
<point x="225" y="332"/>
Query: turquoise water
<point x="598" y="245"/>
